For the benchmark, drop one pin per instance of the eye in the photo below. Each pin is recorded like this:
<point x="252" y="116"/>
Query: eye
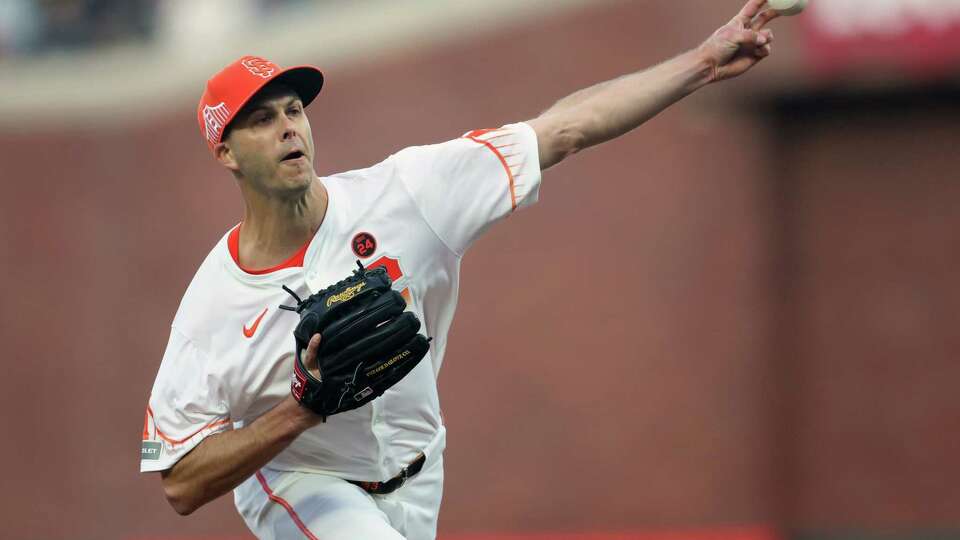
<point x="294" y="111"/>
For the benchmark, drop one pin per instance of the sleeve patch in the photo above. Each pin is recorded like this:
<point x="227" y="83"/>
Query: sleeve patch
<point x="150" y="450"/>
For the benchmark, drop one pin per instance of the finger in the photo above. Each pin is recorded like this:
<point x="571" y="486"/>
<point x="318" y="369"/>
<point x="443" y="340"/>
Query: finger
<point x="764" y="51"/>
<point x="763" y="18"/>
<point x="312" y="347"/>
<point x="751" y="9"/>
<point x="736" y="68"/>
<point x="749" y="38"/>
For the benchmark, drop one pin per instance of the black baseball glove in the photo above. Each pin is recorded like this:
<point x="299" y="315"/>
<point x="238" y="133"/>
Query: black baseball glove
<point x="368" y="342"/>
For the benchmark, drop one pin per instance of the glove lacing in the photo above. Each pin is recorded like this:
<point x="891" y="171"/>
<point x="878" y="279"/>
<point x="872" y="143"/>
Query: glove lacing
<point x="302" y="304"/>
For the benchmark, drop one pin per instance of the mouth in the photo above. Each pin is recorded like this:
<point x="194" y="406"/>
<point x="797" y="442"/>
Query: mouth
<point x="293" y="156"/>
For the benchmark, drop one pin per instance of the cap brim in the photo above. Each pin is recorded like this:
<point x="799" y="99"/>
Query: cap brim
<point x="307" y="81"/>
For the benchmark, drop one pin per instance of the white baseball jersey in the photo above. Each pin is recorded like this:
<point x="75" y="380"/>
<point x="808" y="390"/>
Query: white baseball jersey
<point x="230" y="354"/>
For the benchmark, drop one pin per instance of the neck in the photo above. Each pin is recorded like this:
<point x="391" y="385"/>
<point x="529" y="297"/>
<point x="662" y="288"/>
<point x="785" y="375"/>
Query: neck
<point x="274" y="229"/>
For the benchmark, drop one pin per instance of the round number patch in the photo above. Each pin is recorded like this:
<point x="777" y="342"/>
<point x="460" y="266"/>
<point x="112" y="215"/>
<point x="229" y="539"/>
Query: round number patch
<point x="364" y="244"/>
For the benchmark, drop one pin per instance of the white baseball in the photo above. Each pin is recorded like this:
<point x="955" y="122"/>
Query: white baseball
<point x="787" y="7"/>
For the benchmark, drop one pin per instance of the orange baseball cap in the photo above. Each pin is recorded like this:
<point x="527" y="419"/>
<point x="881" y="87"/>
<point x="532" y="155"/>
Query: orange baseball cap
<point x="230" y="89"/>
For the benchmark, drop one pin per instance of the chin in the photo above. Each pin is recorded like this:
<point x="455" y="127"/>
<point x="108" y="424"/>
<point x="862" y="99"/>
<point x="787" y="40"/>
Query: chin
<point x="307" y="178"/>
<point x="299" y="183"/>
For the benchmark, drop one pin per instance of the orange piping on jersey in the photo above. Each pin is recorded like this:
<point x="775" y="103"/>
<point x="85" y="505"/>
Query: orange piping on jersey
<point x="163" y="436"/>
<point x="472" y="137"/>
<point x="146" y="425"/>
<point x="233" y="244"/>
<point x="479" y="132"/>
<point x="279" y="500"/>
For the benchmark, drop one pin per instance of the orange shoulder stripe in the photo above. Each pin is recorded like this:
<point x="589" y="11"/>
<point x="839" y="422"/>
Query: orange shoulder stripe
<point x="473" y="137"/>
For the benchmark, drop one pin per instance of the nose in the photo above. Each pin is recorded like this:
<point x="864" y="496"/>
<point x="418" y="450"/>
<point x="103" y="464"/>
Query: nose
<point x="289" y="128"/>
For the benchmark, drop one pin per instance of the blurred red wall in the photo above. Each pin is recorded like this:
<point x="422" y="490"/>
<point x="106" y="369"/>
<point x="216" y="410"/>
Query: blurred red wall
<point x="869" y="217"/>
<point x="778" y="349"/>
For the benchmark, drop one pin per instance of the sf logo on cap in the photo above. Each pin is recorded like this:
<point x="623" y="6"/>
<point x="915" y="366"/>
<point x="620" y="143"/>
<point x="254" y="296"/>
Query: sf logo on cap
<point x="258" y="66"/>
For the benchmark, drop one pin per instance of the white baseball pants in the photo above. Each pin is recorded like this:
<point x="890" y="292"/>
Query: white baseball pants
<point x="280" y="505"/>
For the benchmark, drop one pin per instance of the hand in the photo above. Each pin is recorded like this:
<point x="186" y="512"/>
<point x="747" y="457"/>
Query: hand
<point x="741" y="44"/>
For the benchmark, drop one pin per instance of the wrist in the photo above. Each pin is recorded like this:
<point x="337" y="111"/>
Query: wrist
<point x="703" y="68"/>
<point x="299" y="417"/>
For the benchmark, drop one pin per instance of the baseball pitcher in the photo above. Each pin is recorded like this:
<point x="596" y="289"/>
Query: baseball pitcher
<point x="301" y="367"/>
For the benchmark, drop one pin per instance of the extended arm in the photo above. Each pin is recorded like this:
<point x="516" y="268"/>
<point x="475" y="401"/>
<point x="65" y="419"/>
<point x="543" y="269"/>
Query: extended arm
<point x="613" y="108"/>
<point x="222" y="461"/>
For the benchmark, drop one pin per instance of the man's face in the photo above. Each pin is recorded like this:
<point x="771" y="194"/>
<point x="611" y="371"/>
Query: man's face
<point x="270" y="144"/>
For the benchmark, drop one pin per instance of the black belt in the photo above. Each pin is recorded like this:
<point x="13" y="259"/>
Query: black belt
<point x="391" y="485"/>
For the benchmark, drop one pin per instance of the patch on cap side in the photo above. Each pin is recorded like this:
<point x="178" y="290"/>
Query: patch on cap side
<point x="214" y="120"/>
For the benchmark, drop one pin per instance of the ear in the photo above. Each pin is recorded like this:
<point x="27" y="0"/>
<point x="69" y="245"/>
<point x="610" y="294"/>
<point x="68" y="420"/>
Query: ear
<point x="225" y="156"/>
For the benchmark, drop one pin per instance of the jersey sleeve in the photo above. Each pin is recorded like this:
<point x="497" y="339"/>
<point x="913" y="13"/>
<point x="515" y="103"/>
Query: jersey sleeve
<point x="463" y="186"/>
<point x="187" y="404"/>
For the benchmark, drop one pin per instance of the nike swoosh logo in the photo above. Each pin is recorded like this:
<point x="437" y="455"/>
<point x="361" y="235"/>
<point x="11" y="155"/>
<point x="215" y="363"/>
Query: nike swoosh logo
<point x="248" y="332"/>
